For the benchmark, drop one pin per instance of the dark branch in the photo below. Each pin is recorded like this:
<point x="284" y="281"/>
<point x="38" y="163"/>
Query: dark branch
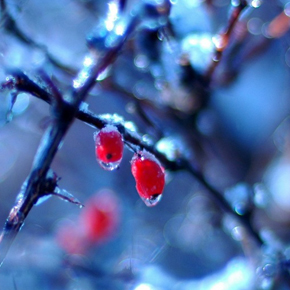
<point x="222" y="40"/>
<point x="23" y="83"/>
<point x="64" y="115"/>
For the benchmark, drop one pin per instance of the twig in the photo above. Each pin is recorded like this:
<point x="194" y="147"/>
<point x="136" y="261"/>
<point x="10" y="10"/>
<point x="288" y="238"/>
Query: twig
<point x="23" y="83"/>
<point x="222" y="40"/>
<point x="65" y="113"/>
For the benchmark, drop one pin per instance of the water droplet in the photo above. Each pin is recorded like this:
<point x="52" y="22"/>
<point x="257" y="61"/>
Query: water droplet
<point x="141" y="61"/>
<point x="239" y="197"/>
<point x="110" y="166"/>
<point x="256" y="3"/>
<point x="235" y="3"/>
<point x="153" y="200"/>
<point x="287" y="9"/>
<point x="131" y="108"/>
<point x="269" y="270"/>
<point x="254" y="26"/>
<point x="238" y="233"/>
<point x="261" y="195"/>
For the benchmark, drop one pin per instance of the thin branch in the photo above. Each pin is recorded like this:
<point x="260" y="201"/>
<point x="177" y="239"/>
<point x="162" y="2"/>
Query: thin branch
<point x="63" y="118"/>
<point x="23" y="83"/>
<point x="222" y="40"/>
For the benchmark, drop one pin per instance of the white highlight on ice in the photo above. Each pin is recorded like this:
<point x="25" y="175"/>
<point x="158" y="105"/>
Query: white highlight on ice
<point x="112" y="15"/>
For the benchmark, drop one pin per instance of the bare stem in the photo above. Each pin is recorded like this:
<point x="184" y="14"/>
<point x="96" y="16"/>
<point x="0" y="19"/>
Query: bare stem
<point x="27" y="85"/>
<point x="222" y="40"/>
<point x="64" y="115"/>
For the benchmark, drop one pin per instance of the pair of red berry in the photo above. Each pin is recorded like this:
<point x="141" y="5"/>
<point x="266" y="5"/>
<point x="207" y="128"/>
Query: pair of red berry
<point x="146" y="169"/>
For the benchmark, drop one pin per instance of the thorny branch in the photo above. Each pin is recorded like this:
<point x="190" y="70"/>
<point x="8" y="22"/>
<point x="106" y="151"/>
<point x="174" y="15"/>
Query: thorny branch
<point x="64" y="115"/>
<point x="24" y="84"/>
<point x="39" y="181"/>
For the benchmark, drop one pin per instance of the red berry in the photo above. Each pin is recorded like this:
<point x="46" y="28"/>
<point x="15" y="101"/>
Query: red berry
<point x="109" y="147"/>
<point x="149" y="176"/>
<point x="100" y="216"/>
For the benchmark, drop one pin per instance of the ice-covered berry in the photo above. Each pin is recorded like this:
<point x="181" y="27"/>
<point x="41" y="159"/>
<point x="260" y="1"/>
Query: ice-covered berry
<point x="149" y="176"/>
<point x="109" y="147"/>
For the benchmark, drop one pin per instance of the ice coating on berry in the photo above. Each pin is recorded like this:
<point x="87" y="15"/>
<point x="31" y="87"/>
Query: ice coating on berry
<point x="109" y="147"/>
<point x="110" y="166"/>
<point x="146" y="155"/>
<point x="153" y="200"/>
<point x="110" y="128"/>
<point x="149" y="176"/>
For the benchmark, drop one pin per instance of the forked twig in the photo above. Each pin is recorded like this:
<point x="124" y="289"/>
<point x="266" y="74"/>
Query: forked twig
<point x="65" y="111"/>
<point x="23" y="83"/>
<point x="222" y="39"/>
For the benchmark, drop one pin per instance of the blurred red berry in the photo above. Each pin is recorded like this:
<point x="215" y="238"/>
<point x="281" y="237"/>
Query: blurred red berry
<point x="149" y="176"/>
<point x="100" y="216"/>
<point x="109" y="145"/>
